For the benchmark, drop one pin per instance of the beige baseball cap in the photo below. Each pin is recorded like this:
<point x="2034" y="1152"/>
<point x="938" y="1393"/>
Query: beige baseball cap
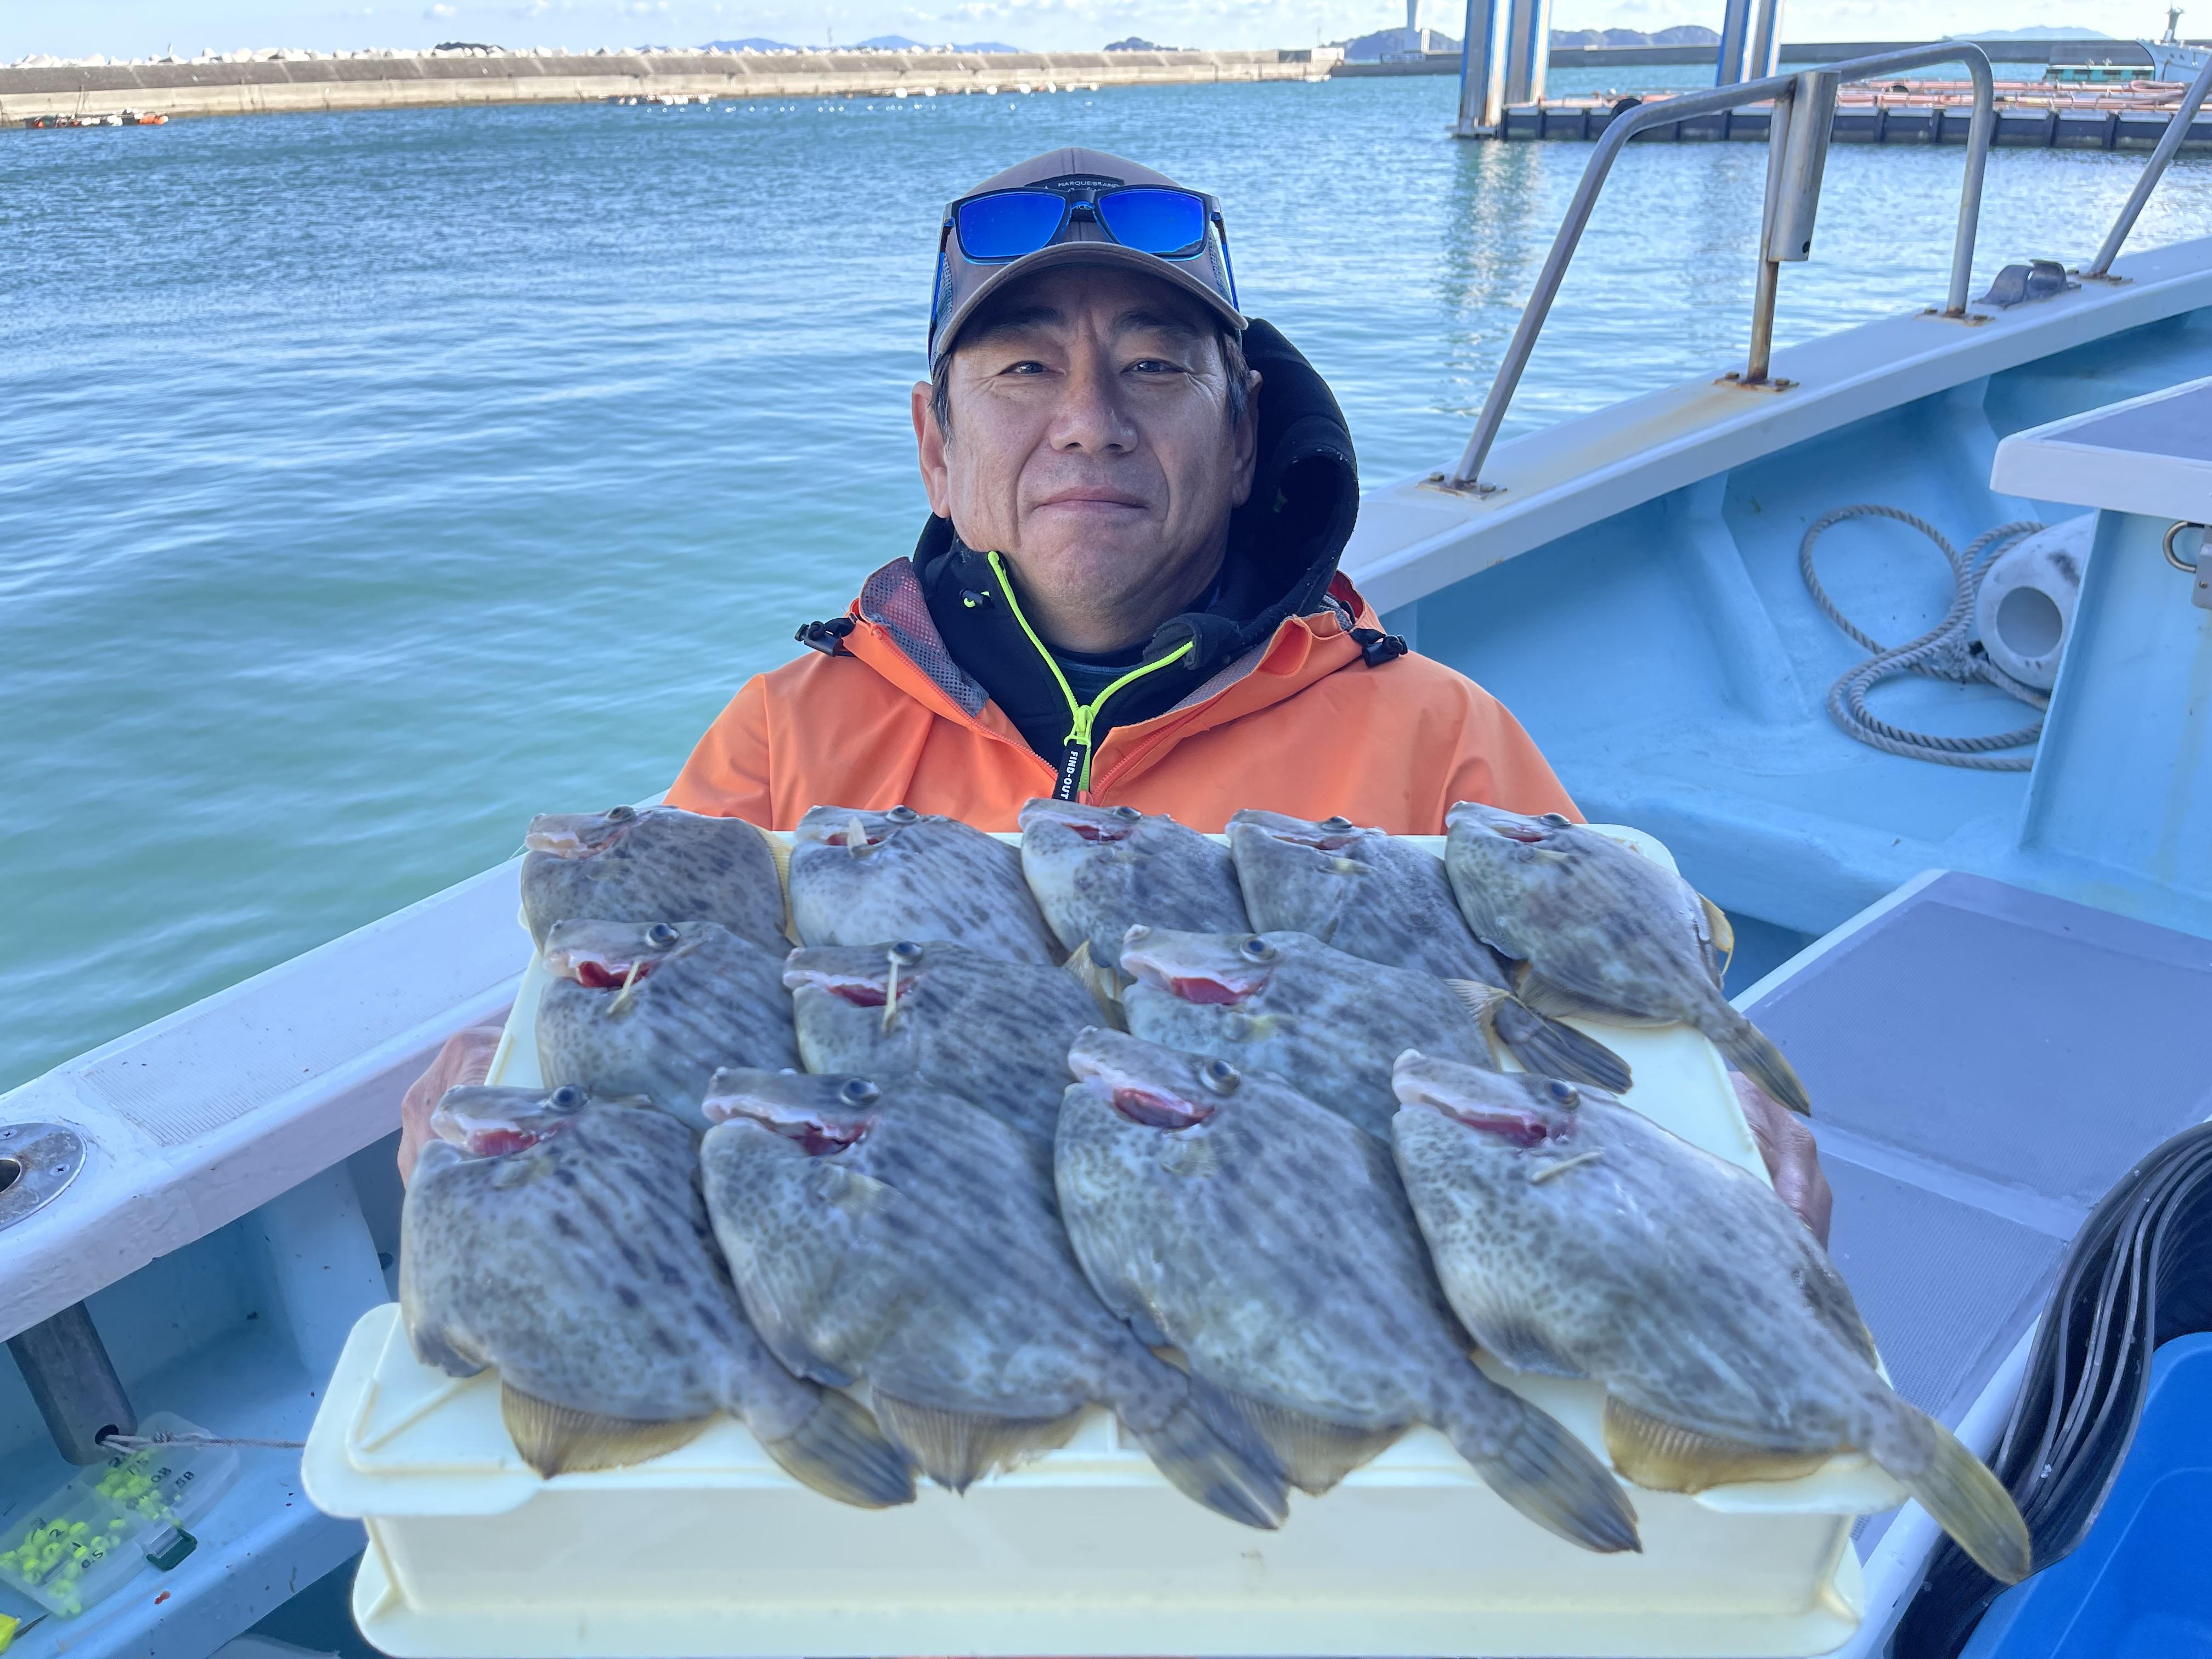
<point x="1199" y="267"/>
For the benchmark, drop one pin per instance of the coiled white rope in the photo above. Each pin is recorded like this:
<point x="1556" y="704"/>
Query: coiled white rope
<point x="1946" y="652"/>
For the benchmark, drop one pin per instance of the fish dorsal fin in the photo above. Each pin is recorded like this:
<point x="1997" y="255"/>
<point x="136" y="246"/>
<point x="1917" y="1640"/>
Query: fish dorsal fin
<point x="956" y="1448"/>
<point x="1315" y="1453"/>
<point x="1667" y="1456"/>
<point x="560" y="1439"/>
<point x="1720" y="937"/>
<point x="1101" y="982"/>
<point x="779" y="850"/>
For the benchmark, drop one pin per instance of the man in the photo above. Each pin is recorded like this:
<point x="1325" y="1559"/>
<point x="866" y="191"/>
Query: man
<point x="1127" y="591"/>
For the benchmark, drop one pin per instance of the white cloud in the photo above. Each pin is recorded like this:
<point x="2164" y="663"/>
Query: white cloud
<point x="438" y="12"/>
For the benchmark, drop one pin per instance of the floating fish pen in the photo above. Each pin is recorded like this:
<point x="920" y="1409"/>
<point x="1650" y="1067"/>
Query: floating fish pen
<point x="2030" y="115"/>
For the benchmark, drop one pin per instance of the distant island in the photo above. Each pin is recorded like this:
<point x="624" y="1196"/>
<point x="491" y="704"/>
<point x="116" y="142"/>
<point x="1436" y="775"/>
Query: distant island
<point x="874" y="43"/>
<point x="1390" y="43"/>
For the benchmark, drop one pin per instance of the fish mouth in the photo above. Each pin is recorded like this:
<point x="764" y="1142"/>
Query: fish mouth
<point x="1153" y="1110"/>
<point x="494" y="1140"/>
<point x="1321" y="841"/>
<point x="1517" y="1128"/>
<point x="1139" y="1098"/>
<point x="1214" y="987"/>
<point x="575" y="834"/>
<point x="1095" y="827"/>
<point x="1527" y="835"/>
<point x="602" y="970"/>
<point x="861" y="990"/>
<point x="815" y="1134"/>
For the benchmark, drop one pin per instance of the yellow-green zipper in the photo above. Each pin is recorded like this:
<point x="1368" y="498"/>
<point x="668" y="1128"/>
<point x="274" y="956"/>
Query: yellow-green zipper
<point x="1075" y="759"/>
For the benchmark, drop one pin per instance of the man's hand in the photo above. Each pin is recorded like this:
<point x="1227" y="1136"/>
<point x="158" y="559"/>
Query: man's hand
<point x="465" y="1059"/>
<point x="1793" y="1158"/>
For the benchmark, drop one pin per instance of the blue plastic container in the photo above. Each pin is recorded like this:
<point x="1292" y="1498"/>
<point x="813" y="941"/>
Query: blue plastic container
<point x="2141" y="1585"/>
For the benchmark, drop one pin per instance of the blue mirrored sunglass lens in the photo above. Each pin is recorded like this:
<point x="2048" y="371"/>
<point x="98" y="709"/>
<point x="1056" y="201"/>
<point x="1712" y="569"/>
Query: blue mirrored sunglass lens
<point x="1007" y="226"/>
<point x="1154" y="221"/>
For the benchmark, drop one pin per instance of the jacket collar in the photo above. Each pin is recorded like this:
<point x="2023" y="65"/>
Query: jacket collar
<point x="893" y="634"/>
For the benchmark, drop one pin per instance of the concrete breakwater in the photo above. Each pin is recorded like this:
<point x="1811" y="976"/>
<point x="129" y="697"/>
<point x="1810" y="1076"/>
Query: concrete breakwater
<point x="269" y="86"/>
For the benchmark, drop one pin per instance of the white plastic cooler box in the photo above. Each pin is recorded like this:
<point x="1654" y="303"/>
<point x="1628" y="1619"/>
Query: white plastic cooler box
<point x="712" y="1550"/>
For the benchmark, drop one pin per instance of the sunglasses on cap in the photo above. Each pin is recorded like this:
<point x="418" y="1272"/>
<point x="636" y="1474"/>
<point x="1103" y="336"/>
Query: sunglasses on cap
<point x="999" y="226"/>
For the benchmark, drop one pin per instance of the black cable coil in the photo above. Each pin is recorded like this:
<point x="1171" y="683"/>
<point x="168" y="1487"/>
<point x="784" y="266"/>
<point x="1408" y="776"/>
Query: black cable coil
<point x="2139" y="1274"/>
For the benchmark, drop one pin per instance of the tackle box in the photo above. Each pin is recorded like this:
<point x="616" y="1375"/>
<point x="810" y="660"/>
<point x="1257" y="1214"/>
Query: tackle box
<point x="710" y="1550"/>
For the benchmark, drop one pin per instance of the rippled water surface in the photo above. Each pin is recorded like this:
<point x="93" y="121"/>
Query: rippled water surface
<point x="372" y="481"/>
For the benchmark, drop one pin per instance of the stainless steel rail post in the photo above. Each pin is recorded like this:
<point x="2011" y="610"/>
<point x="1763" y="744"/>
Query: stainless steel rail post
<point x="1468" y="474"/>
<point x="2153" y="170"/>
<point x="1796" y="157"/>
<point x="66" y="1368"/>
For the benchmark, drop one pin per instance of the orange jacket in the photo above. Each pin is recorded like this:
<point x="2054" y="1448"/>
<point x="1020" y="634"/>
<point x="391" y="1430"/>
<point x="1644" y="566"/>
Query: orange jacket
<point x="1301" y="725"/>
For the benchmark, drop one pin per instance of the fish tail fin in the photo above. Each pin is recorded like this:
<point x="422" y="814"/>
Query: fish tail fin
<point x="560" y="1439"/>
<point x="1957" y="1489"/>
<point x="1528" y="1460"/>
<point x="1212" y="1454"/>
<point x="1551" y="1047"/>
<point x="957" y="1449"/>
<point x="1315" y="1453"/>
<point x="1755" y="1055"/>
<point x="841" y="1452"/>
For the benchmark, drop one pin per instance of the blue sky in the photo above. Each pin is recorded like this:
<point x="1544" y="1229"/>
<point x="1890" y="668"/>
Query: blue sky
<point x="141" y="27"/>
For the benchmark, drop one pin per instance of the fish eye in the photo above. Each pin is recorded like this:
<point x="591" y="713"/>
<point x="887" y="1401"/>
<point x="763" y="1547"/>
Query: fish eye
<point x="620" y="814"/>
<point x="1127" y="814"/>
<point x="1557" y="820"/>
<point x="1220" y="1076"/>
<point x="1336" y="823"/>
<point x="1256" y="948"/>
<point x="901" y="815"/>
<point x="906" y="953"/>
<point x="1565" y="1093"/>
<point x="566" y="1098"/>
<point x="858" y="1092"/>
<point x="661" y="936"/>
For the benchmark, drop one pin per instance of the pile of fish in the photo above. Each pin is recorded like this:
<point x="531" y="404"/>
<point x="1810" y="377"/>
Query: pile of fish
<point x="1218" y="1138"/>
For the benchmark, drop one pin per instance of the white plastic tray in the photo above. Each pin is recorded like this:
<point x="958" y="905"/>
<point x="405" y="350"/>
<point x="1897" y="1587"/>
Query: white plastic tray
<point x="711" y="1550"/>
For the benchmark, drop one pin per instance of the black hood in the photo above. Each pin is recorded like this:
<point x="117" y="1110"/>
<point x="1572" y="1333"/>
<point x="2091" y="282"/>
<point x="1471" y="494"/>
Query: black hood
<point x="1284" y="543"/>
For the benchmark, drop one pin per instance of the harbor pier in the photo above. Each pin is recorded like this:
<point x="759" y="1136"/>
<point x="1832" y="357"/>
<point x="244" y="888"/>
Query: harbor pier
<point x="2030" y="115"/>
<point x="269" y="85"/>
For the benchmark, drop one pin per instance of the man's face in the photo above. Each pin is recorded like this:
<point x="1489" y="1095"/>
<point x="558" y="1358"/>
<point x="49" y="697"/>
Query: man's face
<point x="1090" y="441"/>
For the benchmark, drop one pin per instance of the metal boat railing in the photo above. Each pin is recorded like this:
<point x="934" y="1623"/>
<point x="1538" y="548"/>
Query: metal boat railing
<point x="2153" y="170"/>
<point x="1797" y="149"/>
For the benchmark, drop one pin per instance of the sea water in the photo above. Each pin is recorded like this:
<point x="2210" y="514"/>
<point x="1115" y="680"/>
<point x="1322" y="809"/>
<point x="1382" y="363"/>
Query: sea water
<point x="372" y="481"/>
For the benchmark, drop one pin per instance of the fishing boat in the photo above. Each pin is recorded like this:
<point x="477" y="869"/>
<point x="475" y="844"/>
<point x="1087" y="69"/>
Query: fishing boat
<point x="2172" y="58"/>
<point x="1972" y="901"/>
